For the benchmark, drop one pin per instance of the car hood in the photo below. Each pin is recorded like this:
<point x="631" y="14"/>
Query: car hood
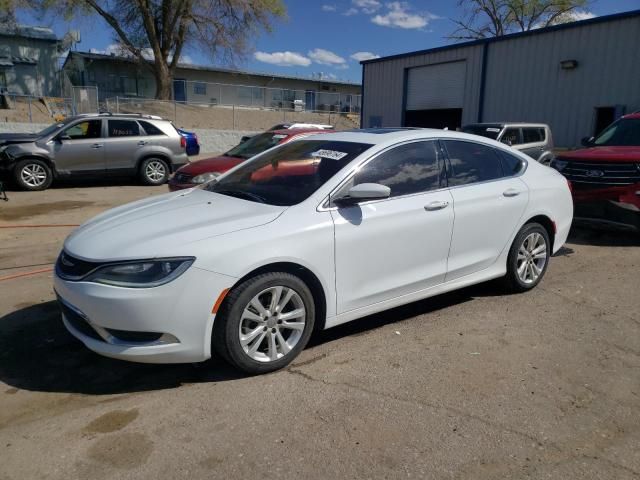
<point x="9" y="138"/>
<point x="216" y="164"/>
<point x="164" y="225"/>
<point x="603" y="154"/>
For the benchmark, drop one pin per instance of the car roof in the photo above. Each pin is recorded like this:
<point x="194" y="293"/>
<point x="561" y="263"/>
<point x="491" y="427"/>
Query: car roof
<point x="506" y="124"/>
<point x="632" y="115"/>
<point x="298" y="131"/>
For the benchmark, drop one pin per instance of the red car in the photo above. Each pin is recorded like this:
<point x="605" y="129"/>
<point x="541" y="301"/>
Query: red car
<point x="203" y="171"/>
<point x="605" y="176"/>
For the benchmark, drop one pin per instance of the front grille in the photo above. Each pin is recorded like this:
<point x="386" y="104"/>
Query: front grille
<point x="71" y="268"/>
<point x="601" y="174"/>
<point x="183" y="178"/>
<point x="77" y="321"/>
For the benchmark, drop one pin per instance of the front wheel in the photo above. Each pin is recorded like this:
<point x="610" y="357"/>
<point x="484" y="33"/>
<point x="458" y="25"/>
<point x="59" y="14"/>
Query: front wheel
<point x="528" y="258"/>
<point x="265" y="322"/>
<point x="33" y="174"/>
<point x="154" y="171"/>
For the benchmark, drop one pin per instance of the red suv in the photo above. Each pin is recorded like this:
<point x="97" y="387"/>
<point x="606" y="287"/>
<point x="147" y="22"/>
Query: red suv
<point x="605" y="176"/>
<point x="204" y="171"/>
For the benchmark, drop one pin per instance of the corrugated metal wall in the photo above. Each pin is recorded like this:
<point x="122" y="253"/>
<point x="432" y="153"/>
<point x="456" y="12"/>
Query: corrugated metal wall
<point x="524" y="81"/>
<point x="384" y="84"/>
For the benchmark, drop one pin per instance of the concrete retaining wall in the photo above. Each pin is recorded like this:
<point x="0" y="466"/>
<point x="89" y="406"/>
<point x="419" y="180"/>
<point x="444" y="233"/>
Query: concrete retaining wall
<point x="211" y="141"/>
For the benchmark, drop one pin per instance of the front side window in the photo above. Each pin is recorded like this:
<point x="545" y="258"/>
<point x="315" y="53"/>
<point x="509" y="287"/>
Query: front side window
<point x="472" y="162"/>
<point x="412" y="168"/>
<point x="288" y="174"/>
<point x="532" y="135"/>
<point x="511" y="136"/>
<point x="82" y="130"/>
<point x="123" y="128"/>
<point x="624" y="132"/>
<point x="255" y="145"/>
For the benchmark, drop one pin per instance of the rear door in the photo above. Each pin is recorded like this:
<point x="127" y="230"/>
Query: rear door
<point x="488" y="201"/>
<point x="79" y="148"/>
<point x="124" y="139"/>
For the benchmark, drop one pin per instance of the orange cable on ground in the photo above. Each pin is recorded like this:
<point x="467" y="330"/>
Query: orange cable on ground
<point x="38" y="226"/>
<point x="25" y="274"/>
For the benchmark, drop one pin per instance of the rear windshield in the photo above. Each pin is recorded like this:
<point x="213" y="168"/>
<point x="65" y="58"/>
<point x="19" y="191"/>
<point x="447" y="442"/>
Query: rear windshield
<point x="256" y="145"/>
<point x="288" y="174"/>
<point x="624" y="132"/>
<point x="483" y="131"/>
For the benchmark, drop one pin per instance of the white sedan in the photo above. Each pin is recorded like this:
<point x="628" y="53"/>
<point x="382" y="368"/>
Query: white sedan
<point x="306" y="236"/>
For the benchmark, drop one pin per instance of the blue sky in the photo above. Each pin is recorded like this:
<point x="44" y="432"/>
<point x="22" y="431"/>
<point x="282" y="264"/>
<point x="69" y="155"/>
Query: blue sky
<point x="329" y="36"/>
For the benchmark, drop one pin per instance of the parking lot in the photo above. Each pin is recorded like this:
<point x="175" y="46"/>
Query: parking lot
<point x="472" y="384"/>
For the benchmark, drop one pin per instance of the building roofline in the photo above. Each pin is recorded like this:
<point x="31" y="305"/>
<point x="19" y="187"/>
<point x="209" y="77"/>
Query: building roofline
<point x="482" y="41"/>
<point x="187" y="66"/>
<point x="28" y="31"/>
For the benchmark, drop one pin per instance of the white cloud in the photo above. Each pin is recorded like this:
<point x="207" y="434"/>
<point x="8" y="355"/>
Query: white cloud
<point x="399" y="16"/>
<point x="351" y="11"/>
<point x="368" y="6"/>
<point x="284" y="59"/>
<point x="576" y="16"/>
<point x="328" y="8"/>
<point x="325" y="57"/>
<point x="362" y="56"/>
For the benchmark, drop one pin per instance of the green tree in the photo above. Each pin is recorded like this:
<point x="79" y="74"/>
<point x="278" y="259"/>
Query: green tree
<point x="157" y="32"/>
<point x="494" y="18"/>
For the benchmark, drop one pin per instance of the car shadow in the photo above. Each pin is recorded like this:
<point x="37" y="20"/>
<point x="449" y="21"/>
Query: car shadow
<point x="83" y="183"/>
<point x="600" y="237"/>
<point x="38" y="354"/>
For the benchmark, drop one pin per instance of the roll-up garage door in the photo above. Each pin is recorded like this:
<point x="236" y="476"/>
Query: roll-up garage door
<point x="436" y="86"/>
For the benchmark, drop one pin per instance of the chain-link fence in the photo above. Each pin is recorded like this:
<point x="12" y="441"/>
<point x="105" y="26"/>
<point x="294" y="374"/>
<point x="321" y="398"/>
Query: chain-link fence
<point x="228" y="117"/>
<point x="85" y="99"/>
<point x="16" y="108"/>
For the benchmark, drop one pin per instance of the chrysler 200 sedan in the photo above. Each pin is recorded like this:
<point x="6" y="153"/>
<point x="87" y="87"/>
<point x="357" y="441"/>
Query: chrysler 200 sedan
<point x="305" y="236"/>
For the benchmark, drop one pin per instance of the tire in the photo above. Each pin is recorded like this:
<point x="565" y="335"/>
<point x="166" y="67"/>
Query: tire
<point x="529" y="239"/>
<point x="32" y="174"/>
<point x="238" y="317"/>
<point x="154" y="171"/>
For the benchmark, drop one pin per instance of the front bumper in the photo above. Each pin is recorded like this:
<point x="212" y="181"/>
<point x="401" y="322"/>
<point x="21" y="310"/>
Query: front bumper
<point x="120" y="321"/>
<point x="613" y="207"/>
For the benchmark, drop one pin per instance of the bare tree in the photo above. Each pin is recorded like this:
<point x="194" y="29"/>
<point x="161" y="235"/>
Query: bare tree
<point x="157" y="32"/>
<point x="494" y="18"/>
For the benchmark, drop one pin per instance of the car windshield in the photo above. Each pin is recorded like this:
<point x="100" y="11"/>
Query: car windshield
<point x="52" y="128"/>
<point x="256" y="145"/>
<point x="290" y="173"/>
<point x="491" y="132"/>
<point x="624" y="132"/>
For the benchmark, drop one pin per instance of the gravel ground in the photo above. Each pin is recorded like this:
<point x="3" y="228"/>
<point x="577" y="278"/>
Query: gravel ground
<point x="474" y="384"/>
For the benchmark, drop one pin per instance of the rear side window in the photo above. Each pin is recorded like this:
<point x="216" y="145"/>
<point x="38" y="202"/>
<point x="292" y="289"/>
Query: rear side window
<point x="511" y="165"/>
<point x="472" y="162"/>
<point x="151" y="129"/>
<point x="533" y="135"/>
<point x="511" y="136"/>
<point x="411" y="168"/>
<point x="123" y="128"/>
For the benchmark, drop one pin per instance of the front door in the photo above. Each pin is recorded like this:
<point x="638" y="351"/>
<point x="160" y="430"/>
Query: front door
<point x="179" y="90"/>
<point x="396" y="246"/>
<point x="79" y="149"/>
<point x="488" y="203"/>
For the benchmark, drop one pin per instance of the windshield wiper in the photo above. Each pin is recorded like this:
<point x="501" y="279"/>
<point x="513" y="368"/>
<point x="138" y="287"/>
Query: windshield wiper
<point x="241" y="194"/>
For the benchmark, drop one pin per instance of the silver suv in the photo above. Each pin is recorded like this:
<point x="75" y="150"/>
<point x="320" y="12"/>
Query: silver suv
<point x="534" y="139"/>
<point x="104" y="144"/>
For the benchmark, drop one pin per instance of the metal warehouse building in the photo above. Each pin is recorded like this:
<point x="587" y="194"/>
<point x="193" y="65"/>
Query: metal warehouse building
<point x="576" y="77"/>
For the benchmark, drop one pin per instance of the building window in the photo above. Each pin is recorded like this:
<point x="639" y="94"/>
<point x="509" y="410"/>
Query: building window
<point x="199" y="88"/>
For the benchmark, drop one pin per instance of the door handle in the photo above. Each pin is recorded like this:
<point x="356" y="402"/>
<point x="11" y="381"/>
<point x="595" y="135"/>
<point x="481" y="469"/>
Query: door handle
<point x="96" y="145"/>
<point x="433" y="206"/>
<point x="511" y="192"/>
<point x="141" y="143"/>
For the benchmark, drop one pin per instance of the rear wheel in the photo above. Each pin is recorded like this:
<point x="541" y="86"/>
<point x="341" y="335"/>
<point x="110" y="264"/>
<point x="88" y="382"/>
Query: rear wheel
<point x="528" y="258"/>
<point x="154" y="171"/>
<point x="32" y="174"/>
<point x="265" y="322"/>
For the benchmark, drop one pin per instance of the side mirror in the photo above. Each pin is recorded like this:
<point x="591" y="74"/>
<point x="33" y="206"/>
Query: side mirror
<point x="364" y="192"/>
<point x="587" y="141"/>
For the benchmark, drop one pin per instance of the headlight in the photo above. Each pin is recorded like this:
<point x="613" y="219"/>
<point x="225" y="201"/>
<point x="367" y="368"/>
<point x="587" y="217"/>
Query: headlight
<point x="144" y="274"/>
<point x="205" y="177"/>
<point x="558" y="164"/>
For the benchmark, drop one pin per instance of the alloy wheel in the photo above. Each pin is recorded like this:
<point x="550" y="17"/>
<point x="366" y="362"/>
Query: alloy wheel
<point x="155" y="171"/>
<point x="532" y="258"/>
<point x="272" y="324"/>
<point x="33" y="175"/>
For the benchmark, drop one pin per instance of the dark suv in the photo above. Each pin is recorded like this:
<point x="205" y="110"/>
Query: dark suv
<point x="104" y="144"/>
<point x="605" y="176"/>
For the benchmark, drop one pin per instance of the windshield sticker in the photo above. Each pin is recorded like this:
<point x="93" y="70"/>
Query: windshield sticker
<point x="279" y="136"/>
<point x="490" y="129"/>
<point x="330" y="154"/>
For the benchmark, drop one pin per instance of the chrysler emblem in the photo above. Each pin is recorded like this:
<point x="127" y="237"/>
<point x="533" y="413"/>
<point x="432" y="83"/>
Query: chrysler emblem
<point x="595" y="173"/>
